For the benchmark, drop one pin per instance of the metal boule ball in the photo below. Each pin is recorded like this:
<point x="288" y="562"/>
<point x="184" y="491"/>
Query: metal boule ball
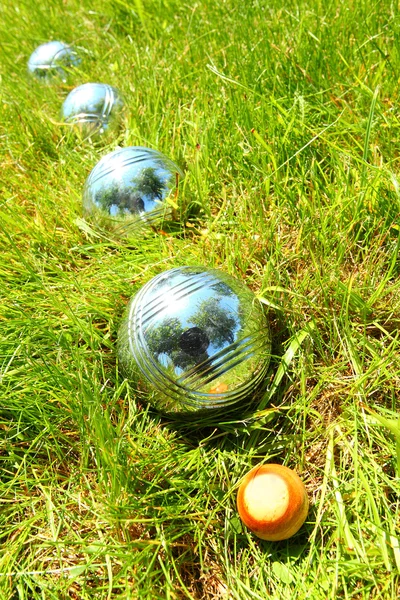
<point x="195" y="340"/>
<point x="131" y="188"/>
<point x="52" y="59"/>
<point x="93" y="110"/>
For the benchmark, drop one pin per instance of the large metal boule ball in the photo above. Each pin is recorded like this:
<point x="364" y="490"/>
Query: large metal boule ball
<point x="93" y="109"/>
<point x="131" y="188"/>
<point x="52" y="59"/>
<point x="196" y="340"/>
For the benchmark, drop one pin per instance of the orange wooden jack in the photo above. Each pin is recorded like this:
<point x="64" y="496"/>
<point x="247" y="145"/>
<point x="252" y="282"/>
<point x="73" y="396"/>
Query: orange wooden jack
<point x="272" y="502"/>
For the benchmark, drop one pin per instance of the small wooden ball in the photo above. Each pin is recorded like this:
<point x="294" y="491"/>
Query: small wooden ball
<point x="272" y="502"/>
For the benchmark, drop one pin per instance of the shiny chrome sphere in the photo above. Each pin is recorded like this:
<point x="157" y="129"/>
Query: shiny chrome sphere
<point x="131" y="188"/>
<point x="52" y="59"/>
<point x="196" y="340"/>
<point x="93" y="109"/>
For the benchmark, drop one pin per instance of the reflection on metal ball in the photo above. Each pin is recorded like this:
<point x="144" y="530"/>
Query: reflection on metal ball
<point x="196" y="340"/>
<point x="131" y="188"/>
<point x="52" y="59"/>
<point x="93" y="109"/>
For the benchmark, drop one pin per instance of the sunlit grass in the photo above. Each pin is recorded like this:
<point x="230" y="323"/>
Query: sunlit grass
<point x="284" y="117"/>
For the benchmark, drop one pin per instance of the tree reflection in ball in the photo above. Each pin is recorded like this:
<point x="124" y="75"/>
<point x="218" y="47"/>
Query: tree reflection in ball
<point x="131" y="188"/>
<point x="195" y="339"/>
<point x="93" y="109"/>
<point x="52" y="59"/>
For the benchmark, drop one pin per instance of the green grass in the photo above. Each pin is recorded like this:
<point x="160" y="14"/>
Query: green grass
<point x="284" y="116"/>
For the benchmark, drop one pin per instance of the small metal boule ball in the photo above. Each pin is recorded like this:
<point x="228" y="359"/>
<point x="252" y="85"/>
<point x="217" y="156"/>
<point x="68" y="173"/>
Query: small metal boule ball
<point x="52" y="59"/>
<point x="131" y="188"/>
<point x="196" y="340"/>
<point x="93" y="109"/>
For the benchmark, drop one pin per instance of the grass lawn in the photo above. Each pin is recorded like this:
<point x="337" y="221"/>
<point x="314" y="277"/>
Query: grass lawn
<point x="284" y="116"/>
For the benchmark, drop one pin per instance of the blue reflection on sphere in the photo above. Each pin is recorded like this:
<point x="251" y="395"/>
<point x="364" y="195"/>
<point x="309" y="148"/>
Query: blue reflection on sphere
<point x="93" y="109"/>
<point x="52" y="59"/>
<point x="195" y="339"/>
<point x="131" y="188"/>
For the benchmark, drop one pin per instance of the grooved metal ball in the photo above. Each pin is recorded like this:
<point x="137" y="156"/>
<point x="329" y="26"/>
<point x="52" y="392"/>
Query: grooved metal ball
<point x="93" y="109"/>
<point x="52" y="59"/>
<point x="195" y="340"/>
<point x="131" y="188"/>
